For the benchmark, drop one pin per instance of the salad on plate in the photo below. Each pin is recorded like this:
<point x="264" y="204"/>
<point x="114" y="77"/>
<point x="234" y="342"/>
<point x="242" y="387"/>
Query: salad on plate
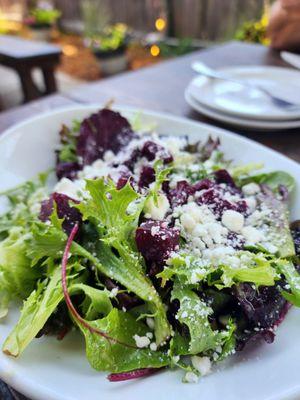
<point x="162" y="253"/>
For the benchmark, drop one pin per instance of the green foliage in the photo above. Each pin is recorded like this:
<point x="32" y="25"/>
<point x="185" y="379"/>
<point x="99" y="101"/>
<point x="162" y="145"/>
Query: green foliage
<point x="44" y="16"/>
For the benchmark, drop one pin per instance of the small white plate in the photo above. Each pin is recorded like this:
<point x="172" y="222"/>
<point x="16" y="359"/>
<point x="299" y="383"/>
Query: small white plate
<point x="240" y="101"/>
<point x="245" y="123"/>
<point x="58" y="370"/>
<point x="291" y="58"/>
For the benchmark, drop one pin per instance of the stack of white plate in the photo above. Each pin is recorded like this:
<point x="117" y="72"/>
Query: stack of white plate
<point x="238" y="105"/>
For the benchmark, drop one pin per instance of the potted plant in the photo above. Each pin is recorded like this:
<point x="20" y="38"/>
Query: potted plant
<point x="109" y="47"/>
<point x="41" y="20"/>
<point x="108" y="42"/>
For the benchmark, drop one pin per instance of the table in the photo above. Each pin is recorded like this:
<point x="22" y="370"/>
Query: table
<point x="23" y="55"/>
<point x="161" y="88"/>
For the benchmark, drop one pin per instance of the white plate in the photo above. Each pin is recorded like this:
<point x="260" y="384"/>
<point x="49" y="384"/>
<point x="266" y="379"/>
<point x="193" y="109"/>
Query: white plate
<point x="52" y="370"/>
<point x="245" y="123"/>
<point x="240" y="101"/>
<point x="291" y="58"/>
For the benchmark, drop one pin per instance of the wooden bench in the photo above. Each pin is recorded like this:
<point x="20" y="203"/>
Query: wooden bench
<point x="23" y="55"/>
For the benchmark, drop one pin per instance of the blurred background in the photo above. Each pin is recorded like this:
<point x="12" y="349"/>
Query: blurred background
<point x="100" y="38"/>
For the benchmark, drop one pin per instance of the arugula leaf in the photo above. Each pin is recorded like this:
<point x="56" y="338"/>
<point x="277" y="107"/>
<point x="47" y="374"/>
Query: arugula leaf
<point x="105" y="355"/>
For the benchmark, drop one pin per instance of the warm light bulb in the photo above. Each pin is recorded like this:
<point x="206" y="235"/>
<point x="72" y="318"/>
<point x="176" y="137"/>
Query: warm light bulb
<point x="69" y="50"/>
<point x="154" y="50"/>
<point x="160" y="24"/>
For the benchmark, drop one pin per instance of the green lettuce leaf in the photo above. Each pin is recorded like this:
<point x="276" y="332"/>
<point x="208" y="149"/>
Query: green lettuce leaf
<point x="115" y="213"/>
<point x="24" y="203"/>
<point x="105" y="355"/>
<point x="273" y="180"/>
<point x="256" y="268"/>
<point x="38" y="308"/>
<point x="292" y="277"/>
<point x="194" y="313"/>
<point x="245" y="169"/>
<point x="277" y="223"/>
<point x="17" y="278"/>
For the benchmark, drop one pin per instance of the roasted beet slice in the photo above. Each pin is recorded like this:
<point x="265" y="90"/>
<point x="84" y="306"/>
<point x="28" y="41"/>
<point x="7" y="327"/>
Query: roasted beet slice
<point x="180" y="194"/>
<point x="203" y="184"/>
<point x="147" y="176"/>
<point x="102" y="131"/>
<point x="223" y="176"/>
<point x="213" y="198"/>
<point x="67" y="170"/>
<point x="152" y="150"/>
<point x="155" y="240"/>
<point x="70" y="214"/>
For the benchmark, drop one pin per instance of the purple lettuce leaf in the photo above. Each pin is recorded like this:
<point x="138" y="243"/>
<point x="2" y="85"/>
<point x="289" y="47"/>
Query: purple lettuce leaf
<point x="261" y="309"/>
<point x="102" y="131"/>
<point x="65" y="211"/>
<point x="67" y="170"/>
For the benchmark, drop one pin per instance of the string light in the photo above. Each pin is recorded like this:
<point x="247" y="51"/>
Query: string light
<point x="154" y="50"/>
<point x="160" y="24"/>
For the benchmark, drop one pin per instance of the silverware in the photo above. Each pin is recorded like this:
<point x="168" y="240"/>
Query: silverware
<point x="211" y="73"/>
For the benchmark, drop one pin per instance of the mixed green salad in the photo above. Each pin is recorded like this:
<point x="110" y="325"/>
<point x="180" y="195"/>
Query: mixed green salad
<point x="160" y="252"/>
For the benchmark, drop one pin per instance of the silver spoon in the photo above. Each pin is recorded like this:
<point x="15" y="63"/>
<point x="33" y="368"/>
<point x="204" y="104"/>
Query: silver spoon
<point x="211" y="73"/>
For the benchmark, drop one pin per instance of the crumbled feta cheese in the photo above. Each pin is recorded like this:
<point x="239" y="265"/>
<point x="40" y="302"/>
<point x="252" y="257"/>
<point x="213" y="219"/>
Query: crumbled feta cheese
<point x="96" y="170"/>
<point x="191" y="377"/>
<point x="157" y="210"/>
<point x="270" y="247"/>
<point x="149" y="335"/>
<point x="252" y="235"/>
<point x="233" y="220"/>
<point x="187" y="222"/>
<point x="201" y="364"/>
<point x="141" y="341"/>
<point x="153" y="346"/>
<point x="150" y="322"/>
<point x="251" y="203"/>
<point x="250" y="189"/>
<point x="108" y="156"/>
<point x="113" y="292"/>
<point x="175" y="359"/>
<point x="67" y="187"/>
